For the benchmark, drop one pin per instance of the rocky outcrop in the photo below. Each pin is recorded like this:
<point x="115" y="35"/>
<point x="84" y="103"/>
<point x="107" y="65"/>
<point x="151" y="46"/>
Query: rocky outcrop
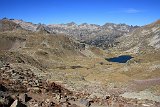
<point x="43" y="29"/>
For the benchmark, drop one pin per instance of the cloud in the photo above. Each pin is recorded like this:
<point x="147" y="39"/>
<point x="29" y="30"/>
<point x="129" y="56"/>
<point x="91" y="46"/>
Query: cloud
<point x="132" y="10"/>
<point x="126" y="10"/>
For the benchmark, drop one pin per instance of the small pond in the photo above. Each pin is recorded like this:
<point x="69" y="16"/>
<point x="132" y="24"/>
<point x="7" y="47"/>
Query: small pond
<point x="120" y="59"/>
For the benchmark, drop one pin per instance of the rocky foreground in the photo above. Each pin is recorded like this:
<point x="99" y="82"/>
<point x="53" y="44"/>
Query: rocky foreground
<point x="22" y="88"/>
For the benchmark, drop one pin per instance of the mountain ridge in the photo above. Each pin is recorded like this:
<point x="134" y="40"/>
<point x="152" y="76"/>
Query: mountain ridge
<point x="87" y="33"/>
<point x="145" y="38"/>
<point x="105" y="36"/>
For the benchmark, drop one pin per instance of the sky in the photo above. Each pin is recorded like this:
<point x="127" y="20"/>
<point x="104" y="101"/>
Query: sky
<point x="132" y="12"/>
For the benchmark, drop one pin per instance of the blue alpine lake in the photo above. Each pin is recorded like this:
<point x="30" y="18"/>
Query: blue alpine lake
<point x="120" y="59"/>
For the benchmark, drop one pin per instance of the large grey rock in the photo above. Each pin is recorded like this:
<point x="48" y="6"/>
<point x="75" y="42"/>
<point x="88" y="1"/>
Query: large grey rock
<point x="14" y="104"/>
<point x="17" y="103"/>
<point x="85" y="102"/>
<point x="24" y="98"/>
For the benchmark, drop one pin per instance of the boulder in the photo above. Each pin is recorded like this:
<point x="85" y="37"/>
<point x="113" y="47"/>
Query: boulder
<point x="62" y="100"/>
<point x="1" y="64"/>
<point x="85" y="102"/>
<point x="24" y="98"/>
<point x="14" y="104"/>
<point x="17" y="103"/>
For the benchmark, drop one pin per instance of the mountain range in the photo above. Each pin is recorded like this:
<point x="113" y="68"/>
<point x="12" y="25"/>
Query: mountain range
<point x="104" y="36"/>
<point x="101" y="36"/>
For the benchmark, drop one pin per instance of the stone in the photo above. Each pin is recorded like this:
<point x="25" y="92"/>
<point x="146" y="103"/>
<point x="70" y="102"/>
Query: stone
<point x="63" y="100"/>
<point x="3" y="88"/>
<point x="52" y="104"/>
<point x="2" y="101"/>
<point x="47" y="101"/>
<point x="24" y="98"/>
<point x="1" y="64"/>
<point x="17" y="103"/>
<point x="36" y="105"/>
<point x="74" y="105"/>
<point x="14" y="104"/>
<point x="96" y="95"/>
<point x="58" y="97"/>
<point x="64" y="105"/>
<point x="34" y="89"/>
<point x="85" y="102"/>
<point x="5" y="99"/>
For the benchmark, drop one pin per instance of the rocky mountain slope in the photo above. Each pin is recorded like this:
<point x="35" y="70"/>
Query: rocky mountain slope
<point x="101" y="36"/>
<point x="145" y="39"/>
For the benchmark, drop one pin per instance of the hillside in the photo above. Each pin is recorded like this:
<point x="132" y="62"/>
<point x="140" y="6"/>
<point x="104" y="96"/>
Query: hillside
<point x="145" y="39"/>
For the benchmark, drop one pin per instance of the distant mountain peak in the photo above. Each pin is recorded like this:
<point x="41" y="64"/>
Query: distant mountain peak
<point x="157" y="22"/>
<point x="71" y="24"/>
<point x="8" y="25"/>
<point x="84" y="24"/>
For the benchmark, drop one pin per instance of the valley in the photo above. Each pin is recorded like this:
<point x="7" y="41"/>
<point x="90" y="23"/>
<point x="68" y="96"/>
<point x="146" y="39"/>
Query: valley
<point x="58" y="58"/>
